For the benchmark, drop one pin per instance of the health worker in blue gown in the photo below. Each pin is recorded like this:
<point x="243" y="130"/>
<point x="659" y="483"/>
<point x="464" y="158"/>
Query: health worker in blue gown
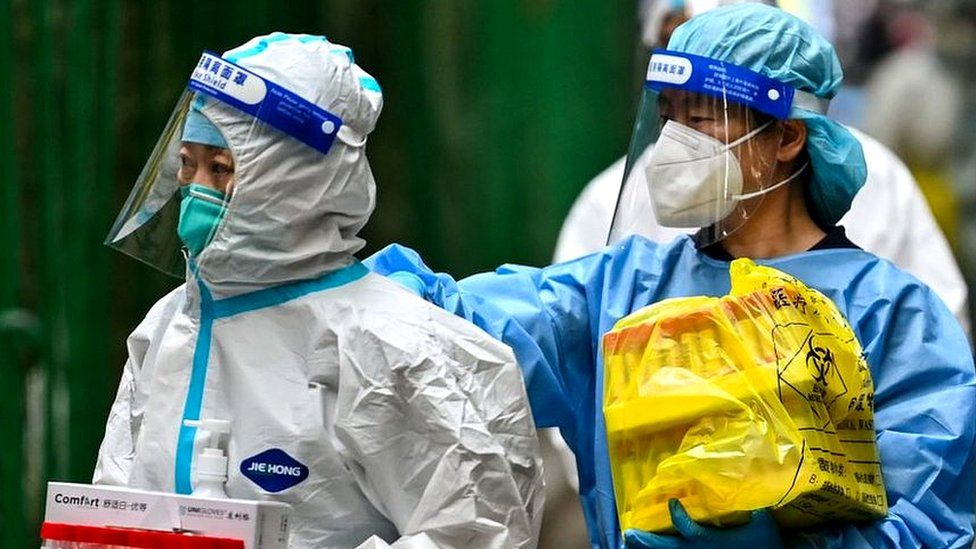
<point x="743" y="150"/>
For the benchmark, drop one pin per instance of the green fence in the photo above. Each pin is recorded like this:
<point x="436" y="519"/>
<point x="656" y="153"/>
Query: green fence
<point x="497" y="112"/>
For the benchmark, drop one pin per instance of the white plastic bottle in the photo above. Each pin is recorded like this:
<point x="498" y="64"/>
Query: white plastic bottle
<point x="210" y="466"/>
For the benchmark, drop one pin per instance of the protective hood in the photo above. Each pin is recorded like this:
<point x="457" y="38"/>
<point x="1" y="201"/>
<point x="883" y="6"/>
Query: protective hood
<point x="260" y="177"/>
<point x="295" y="213"/>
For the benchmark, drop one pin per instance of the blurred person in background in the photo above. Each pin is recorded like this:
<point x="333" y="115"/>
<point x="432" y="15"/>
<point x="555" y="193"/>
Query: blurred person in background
<point x="800" y="171"/>
<point x="930" y="73"/>
<point x="378" y="417"/>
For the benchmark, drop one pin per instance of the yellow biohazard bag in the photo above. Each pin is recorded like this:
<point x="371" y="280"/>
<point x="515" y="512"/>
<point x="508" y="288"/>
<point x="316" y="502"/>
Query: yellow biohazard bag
<point x="759" y="399"/>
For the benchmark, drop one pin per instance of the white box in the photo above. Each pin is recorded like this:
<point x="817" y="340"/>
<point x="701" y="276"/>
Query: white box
<point x="260" y="524"/>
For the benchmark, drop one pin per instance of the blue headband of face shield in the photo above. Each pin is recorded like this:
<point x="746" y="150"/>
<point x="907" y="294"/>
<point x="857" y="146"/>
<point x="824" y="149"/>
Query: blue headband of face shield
<point x="723" y="80"/>
<point x="275" y="105"/>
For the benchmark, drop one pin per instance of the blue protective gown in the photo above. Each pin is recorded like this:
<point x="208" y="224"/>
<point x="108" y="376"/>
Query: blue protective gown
<point x="925" y="385"/>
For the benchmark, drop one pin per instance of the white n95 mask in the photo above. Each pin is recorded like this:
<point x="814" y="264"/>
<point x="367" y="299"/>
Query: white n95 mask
<point x="694" y="179"/>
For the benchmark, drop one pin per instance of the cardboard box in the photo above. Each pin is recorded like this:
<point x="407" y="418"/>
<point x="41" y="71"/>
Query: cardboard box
<point x="260" y="524"/>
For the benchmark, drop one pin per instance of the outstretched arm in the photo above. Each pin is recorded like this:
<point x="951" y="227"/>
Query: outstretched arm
<point x="548" y="317"/>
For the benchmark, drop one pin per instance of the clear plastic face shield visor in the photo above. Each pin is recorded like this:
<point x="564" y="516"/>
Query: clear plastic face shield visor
<point x="705" y="147"/>
<point x="187" y="190"/>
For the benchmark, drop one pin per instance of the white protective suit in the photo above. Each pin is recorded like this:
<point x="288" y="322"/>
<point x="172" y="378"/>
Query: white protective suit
<point x="394" y="421"/>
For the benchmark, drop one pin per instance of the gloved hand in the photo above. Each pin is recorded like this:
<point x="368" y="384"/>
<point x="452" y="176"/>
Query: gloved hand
<point x="760" y="532"/>
<point x="409" y="281"/>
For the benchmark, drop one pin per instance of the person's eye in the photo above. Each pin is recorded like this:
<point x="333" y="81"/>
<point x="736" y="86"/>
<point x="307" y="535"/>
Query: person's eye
<point x="701" y="119"/>
<point x="222" y="169"/>
<point x="185" y="172"/>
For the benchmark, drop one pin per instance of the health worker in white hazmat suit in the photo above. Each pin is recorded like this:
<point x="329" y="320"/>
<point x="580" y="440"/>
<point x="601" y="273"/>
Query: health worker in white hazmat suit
<point x="378" y="417"/>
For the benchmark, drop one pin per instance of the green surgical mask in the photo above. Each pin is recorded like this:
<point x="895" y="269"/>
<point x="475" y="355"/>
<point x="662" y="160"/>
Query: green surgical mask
<point x="201" y="210"/>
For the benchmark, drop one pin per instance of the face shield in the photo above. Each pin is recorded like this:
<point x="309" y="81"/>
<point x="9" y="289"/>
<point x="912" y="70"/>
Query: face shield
<point x="704" y="149"/>
<point x="188" y="189"/>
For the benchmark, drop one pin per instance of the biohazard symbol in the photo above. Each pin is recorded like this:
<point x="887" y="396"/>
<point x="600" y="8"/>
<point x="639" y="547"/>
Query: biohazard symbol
<point x="807" y="365"/>
<point x="820" y="362"/>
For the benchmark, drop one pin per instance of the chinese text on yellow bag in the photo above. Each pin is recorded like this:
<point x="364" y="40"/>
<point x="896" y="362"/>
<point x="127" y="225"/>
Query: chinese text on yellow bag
<point x="758" y="399"/>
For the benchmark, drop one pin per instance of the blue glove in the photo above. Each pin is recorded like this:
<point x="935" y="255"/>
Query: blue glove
<point x="409" y="281"/>
<point x="761" y="531"/>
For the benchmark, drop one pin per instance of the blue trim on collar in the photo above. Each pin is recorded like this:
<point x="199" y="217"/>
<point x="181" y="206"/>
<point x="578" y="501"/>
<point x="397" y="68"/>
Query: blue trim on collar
<point x="277" y="295"/>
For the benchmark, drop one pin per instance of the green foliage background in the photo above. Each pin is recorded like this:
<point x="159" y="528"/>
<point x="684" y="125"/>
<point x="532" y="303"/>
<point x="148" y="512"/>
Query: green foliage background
<point x="497" y="113"/>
